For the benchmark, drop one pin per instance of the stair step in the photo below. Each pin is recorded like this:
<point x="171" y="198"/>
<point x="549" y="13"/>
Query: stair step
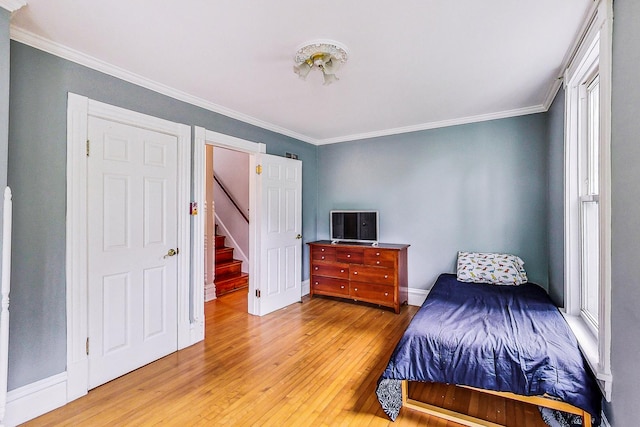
<point x="231" y="282"/>
<point x="228" y="267"/>
<point x="219" y="241"/>
<point x="224" y="254"/>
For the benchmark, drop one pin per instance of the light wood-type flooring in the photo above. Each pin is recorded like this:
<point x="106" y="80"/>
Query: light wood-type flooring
<point x="310" y="364"/>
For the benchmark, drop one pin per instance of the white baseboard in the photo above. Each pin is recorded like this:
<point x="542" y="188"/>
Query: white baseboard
<point x="209" y="292"/>
<point x="32" y="400"/>
<point x="306" y="287"/>
<point x="417" y="296"/>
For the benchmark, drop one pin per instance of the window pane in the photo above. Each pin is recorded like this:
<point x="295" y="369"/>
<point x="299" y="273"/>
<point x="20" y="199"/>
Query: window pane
<point x="593" y="137"/>
<point x="590" y="262"/>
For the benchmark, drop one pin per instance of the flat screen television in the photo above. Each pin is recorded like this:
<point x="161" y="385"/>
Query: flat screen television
<point x="354" y="226"/>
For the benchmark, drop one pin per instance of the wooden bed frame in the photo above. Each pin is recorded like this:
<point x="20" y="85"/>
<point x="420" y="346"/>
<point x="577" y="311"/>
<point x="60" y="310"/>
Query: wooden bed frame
<point x="470" y="421"/>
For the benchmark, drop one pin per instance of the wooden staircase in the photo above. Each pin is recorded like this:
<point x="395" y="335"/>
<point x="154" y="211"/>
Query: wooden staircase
<point x="229" y="276"/>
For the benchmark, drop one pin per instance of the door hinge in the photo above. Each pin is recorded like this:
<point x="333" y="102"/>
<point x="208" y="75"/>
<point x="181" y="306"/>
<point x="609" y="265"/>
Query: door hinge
<point x="259" y="169"/>
<point x="88" y="147"/>
<point x="257" y="293"/>
<point x="87" y="346"/>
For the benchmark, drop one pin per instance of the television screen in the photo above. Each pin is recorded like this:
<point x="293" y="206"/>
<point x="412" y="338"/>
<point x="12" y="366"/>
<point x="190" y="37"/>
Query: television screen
<point x="354" y="226"/>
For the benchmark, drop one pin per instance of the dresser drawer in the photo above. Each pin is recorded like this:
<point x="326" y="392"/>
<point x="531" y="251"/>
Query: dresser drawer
<point x="351" y="255"/>
<point x="380" y="294"/>
<point x="364" y="273"/>
<point x="340" y="271"/>
<point x="329" y="286"/>
<point x="380" y="257"/>
<point x="323" y="254"/>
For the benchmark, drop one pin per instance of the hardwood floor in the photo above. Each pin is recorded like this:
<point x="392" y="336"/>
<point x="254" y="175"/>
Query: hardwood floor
<point x="310" y="364"/>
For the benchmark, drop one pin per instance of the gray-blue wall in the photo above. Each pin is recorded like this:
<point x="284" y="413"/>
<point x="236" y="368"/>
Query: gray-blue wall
<point x="5" y="16"/>
<point x="37" y="174"/>
<point x="555" y="162"/>
<point x="475" y="187"/>
<point x="625" y="215"/>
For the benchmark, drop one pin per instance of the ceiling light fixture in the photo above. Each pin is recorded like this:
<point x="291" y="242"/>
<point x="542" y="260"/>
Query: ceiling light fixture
<point x="325" y="55"/>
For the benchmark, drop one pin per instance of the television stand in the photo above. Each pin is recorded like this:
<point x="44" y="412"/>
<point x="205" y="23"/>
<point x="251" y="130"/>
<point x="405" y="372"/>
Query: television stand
<point x="373" y="274"/>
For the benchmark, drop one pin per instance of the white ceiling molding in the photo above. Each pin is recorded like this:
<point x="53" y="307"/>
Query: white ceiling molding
<point x="75" y="56"/>
<point x="72" y="55"/>
<point x="12" y="5"/>
<point x="436" y="125"/>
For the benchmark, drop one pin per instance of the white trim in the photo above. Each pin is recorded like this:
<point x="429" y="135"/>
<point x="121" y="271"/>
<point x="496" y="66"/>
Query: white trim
<point x="46" y="45"/>
<point x="435" y="125"/>
<point x="32" y="400"/>
<point x="417" y="296"/>
<point x="78" y="110"/>
<point x="12" y="5"/>
<point x="605" y="421"/>
<point x="594" y="47"/>
<point x="305" y="287"/>
<point x="202" y="138"/>
<point x="6" y="289"/>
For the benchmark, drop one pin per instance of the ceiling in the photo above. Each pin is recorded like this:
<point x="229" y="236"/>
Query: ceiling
<point x="413" y="64"/>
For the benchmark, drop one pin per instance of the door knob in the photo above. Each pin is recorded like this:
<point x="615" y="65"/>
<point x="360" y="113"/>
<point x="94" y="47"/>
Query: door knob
<point x="171" y="252"/>
<point x="299" y="236"/>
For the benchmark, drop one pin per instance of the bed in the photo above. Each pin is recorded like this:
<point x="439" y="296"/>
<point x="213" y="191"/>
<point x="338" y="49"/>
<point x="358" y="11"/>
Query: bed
<point x="505" y="340"/>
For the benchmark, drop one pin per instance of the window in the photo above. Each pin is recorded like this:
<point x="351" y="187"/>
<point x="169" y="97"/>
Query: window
<point x="587" y="194"/>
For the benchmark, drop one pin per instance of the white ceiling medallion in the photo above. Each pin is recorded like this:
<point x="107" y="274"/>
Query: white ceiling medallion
<point x="324" y="55"/>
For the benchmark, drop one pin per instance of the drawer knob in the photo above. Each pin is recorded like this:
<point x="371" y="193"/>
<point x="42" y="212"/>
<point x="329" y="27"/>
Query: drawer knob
<point x="348" y="255"/>
<point x="322" y="249"/>
<point x="356" y="289"/>
<point x="377" y="262"/>
<point x="377" y="253"/>
<point x="386" y="294"/>
<point x="322" y="256"/>
<point x="341" y="271"/>
<point x="386" y="277"/>
<point x="355" y="272"/>
<point x="317" y="283"/>
<point x="316" y="268"/>
<point x="342" y="287"/>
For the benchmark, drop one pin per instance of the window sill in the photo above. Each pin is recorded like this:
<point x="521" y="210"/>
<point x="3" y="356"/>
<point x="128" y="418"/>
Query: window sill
<point x="588" y="344"/>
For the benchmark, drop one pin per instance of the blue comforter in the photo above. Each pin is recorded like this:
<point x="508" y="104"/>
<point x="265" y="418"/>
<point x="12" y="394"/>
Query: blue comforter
<point x="504" y="338"/>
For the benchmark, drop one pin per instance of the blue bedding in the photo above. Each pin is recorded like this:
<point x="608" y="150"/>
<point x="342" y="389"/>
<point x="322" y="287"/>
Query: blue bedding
<point x="504" y="338"/>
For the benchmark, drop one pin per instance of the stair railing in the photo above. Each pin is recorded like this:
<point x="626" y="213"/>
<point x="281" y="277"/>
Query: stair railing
<point x="230" y="197"/>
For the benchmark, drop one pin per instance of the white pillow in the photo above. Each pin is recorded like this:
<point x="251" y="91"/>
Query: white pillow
<point x="497" y="269"/>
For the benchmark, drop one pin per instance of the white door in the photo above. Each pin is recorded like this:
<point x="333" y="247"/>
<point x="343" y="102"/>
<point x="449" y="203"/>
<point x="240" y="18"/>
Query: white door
<point x="132" y="222"/>
<point x="280" y="212"/>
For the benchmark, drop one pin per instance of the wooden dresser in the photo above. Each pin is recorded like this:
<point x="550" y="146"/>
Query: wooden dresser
<point x="376" y="275"/>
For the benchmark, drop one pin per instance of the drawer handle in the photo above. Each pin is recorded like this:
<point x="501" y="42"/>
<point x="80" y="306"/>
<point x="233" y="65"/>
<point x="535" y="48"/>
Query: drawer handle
<point x="377" y="253"/>
<point x="386" y="277"/>
<point x="316" y="268"/>
<point x="355" y="273"/>
<point x="377" y="262"/>
<point x="341" y="271"/>
<point x="356" y="289"/>
<point x="317" y="283"/>
<point x="342" y="287"/>
<point x="386" y="294"/>
<point x="348" y="255"/>
<point x="322" y="256"/>
<point x="322" y="249"/>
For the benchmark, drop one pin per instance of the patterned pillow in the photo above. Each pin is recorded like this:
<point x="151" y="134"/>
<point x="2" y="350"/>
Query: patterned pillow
<point x="497" y="269"/>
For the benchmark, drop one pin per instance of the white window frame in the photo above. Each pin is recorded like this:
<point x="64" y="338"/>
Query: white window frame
<point x="593" y="55"/>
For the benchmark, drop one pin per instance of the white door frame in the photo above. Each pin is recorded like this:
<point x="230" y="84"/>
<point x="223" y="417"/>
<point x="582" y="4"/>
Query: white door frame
<point x="78" y="110"/>
<point x="203" y="137"/>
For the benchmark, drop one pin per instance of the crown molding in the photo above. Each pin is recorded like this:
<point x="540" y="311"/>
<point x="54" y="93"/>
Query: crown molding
<point x="12" y="5"/>
<point x="46" y="45"/>
<point x="73" y="55"/>
<point x="436" y="125"/>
